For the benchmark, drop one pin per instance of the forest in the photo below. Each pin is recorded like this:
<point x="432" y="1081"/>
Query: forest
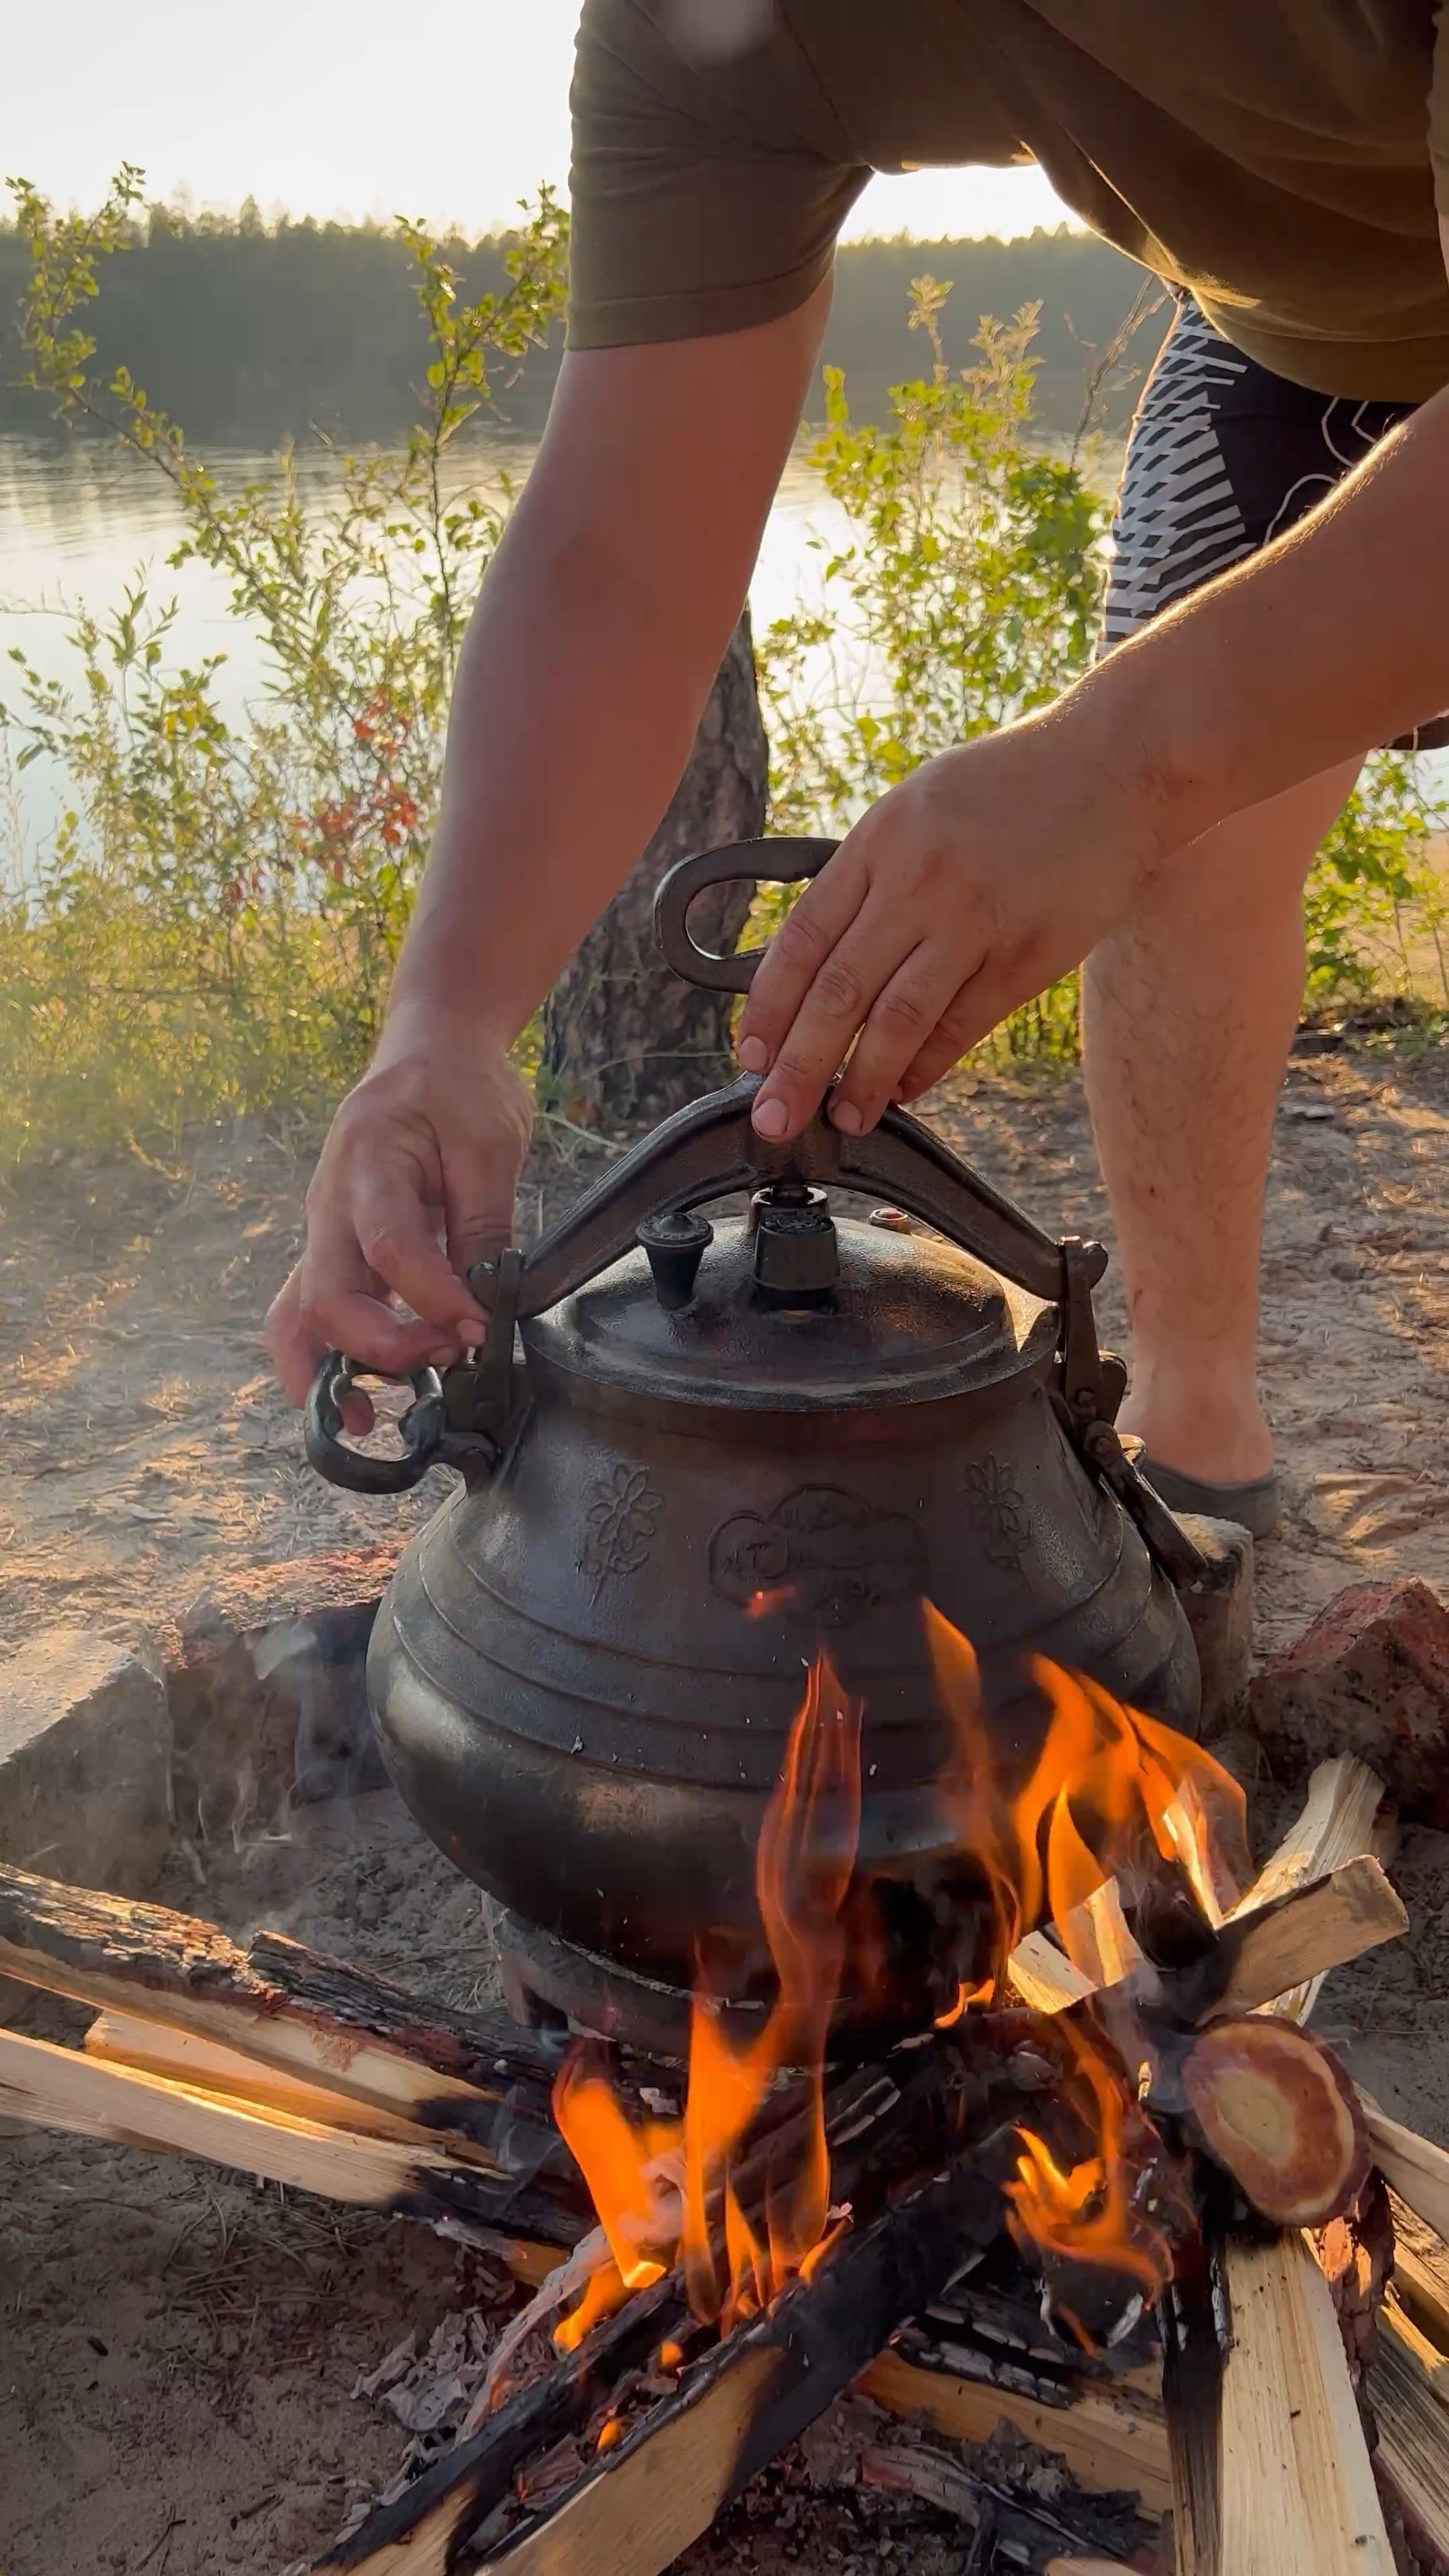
<point x="253" y="332"/>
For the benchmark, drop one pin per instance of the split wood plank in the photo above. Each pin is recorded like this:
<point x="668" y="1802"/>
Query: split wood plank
<point x="61" y="2088"/>
<point x="1302" y="1934"/>
<point x="158" y="2048"/>
<point x="1087" y="2567"/>
<point x="1043" y="1978"/>
<point x="1423" y="2347"/>
<point x="1336" y="1826"/>
<point x="1421" y="2273"/>
<point x="290" y="2008"/>
<point x="1338" y="1822"/>
<point x="1412" y="2449"/>
<point x="635" y="2520"/>
<point x="1271" y="2469"/>
<point x="1108" y="2438"/>
<point x="1411" y="2166"/>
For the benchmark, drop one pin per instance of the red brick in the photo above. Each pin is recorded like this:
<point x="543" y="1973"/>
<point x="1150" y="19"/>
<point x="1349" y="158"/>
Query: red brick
<point x="1371" y="1677"/>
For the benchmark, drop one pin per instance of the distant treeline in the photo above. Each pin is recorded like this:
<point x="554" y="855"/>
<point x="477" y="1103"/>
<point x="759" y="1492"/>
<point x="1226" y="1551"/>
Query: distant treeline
<point x="248" y="333"/>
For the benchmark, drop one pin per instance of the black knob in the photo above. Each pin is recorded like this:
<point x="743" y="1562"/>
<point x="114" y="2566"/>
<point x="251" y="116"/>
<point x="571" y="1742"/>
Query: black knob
<point x="797" y="1250"/>
<point x="676" y="1243"/>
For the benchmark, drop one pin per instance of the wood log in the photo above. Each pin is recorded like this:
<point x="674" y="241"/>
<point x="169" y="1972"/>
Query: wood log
<point x="660" y="2486"/>
<point x="1271" y="2469"/>
<point x="1277" y="2110"/>
<point x="1010" y="2524"/>
<point x="1280" y="1947"/>
<point x="62" y="2088"/>
<point x="1109" y="2437"/>
<point x="1412" y="2455"/>
<point x="1421" y="2273"/>
<point x="1339" y="1821"/>
<point x="1295" y="1938"/>
<point x="287" y="2006"/>
<point x="1412" y="2167"/>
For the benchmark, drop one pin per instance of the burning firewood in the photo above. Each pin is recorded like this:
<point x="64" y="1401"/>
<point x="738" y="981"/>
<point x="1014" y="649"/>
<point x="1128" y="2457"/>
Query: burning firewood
<point x="662" y="2480"/>
<point x="1279" y="2112"/>
<point x="824" y="2210"/>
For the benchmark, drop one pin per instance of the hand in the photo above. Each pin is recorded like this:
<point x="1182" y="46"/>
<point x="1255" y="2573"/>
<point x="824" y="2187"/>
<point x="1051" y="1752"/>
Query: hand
<point x="426" y="1150"/>
<point x="987" y="874"/>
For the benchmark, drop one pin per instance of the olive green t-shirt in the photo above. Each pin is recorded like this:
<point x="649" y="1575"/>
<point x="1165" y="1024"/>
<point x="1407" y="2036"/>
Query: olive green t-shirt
<point x="1279" y="158"/>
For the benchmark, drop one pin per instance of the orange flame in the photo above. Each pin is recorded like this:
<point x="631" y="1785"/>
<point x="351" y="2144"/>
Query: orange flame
<point x="1086" y="2213"/>
<point x="1059" y="1829"/>
<point x="664" y="2190"/>
<point x="1103" y="1786"/>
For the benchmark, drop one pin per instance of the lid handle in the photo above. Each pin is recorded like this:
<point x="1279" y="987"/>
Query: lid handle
<point x="750" y="862"/>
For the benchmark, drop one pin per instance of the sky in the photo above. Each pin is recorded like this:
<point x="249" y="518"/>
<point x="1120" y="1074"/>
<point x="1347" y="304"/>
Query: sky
<point x="331" y="112"/>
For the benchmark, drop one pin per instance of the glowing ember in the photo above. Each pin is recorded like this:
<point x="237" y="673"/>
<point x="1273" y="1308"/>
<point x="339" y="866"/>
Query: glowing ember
<point x="1100" y="1806"/>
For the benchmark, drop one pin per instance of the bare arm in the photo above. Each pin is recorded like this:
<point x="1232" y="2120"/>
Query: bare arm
<point x="995" y="868"/>
<point x="598" y="635"/>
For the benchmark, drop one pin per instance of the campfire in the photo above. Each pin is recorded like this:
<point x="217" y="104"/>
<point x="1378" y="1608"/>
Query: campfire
<point x="1116" y="2196"/>
<point x="1106" y="1818"/>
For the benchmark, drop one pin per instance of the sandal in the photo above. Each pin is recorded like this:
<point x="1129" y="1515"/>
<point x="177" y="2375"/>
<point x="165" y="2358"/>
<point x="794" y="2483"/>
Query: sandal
<point x="1254" y="1506"/>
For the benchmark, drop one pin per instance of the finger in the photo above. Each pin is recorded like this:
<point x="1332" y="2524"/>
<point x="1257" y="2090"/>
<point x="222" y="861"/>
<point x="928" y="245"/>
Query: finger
<point x="343" y="1305"/>
<point x="909" y="1016"/>
<point x="980" y="1006"/>
<point x="401" y="1250"/>
<point x="795" y="956"/>
<point x="296" y="1350"/>
<point x="834" y="1009"/>
<point x="945" y="1046"/>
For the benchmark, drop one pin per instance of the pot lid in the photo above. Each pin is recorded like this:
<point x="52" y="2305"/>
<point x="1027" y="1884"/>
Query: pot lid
<point x="908" y="1318"/>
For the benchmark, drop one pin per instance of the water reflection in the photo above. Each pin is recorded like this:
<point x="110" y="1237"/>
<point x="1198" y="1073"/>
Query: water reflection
<point x="79" y="519"/>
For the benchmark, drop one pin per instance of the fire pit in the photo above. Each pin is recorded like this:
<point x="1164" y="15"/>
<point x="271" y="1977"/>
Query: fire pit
<point x="980" y="2221"/>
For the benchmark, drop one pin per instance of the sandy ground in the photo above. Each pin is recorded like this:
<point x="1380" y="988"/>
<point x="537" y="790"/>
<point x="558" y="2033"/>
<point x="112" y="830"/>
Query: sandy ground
<point x="178" y="2347"/>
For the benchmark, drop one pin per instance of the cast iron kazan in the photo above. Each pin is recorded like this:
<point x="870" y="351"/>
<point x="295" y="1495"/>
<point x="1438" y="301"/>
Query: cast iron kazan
<point x="718" y="1449"/>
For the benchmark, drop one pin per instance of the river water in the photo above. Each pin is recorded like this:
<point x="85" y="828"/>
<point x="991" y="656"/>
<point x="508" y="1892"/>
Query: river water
<point x="84" y="522"/>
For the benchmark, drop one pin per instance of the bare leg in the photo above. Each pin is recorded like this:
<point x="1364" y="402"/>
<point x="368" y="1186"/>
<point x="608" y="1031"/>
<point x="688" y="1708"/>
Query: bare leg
<point x="1189" y="1012"/>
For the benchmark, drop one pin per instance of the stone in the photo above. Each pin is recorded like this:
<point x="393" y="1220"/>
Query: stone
<point x="268" y="1693"/>
<point x="85" y="1762"/>
<point x="1371" y="1677"/>
<point x="1219" y="1609"/>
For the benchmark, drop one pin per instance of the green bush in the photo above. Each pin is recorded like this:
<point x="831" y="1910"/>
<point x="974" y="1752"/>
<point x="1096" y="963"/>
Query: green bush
<point x="213" y="928"/>
<point x="968" y="594"/>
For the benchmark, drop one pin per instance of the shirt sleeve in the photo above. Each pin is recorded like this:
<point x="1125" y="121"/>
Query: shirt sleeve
<point x="707" y="192"/>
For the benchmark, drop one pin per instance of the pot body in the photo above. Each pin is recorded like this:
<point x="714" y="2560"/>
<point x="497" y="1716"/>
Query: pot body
<point x="586" y="1669"/>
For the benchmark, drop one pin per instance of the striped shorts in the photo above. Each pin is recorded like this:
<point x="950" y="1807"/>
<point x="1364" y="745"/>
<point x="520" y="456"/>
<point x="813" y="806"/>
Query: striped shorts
<point x="1223" y="457"/>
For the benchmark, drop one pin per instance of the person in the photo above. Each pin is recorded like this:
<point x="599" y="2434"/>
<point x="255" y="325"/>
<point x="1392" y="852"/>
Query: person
<point x="1279" y="605"/>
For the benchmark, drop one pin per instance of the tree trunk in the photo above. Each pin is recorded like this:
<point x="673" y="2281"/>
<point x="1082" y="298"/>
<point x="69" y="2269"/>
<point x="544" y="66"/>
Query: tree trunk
<point x="625" y="1041"/>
